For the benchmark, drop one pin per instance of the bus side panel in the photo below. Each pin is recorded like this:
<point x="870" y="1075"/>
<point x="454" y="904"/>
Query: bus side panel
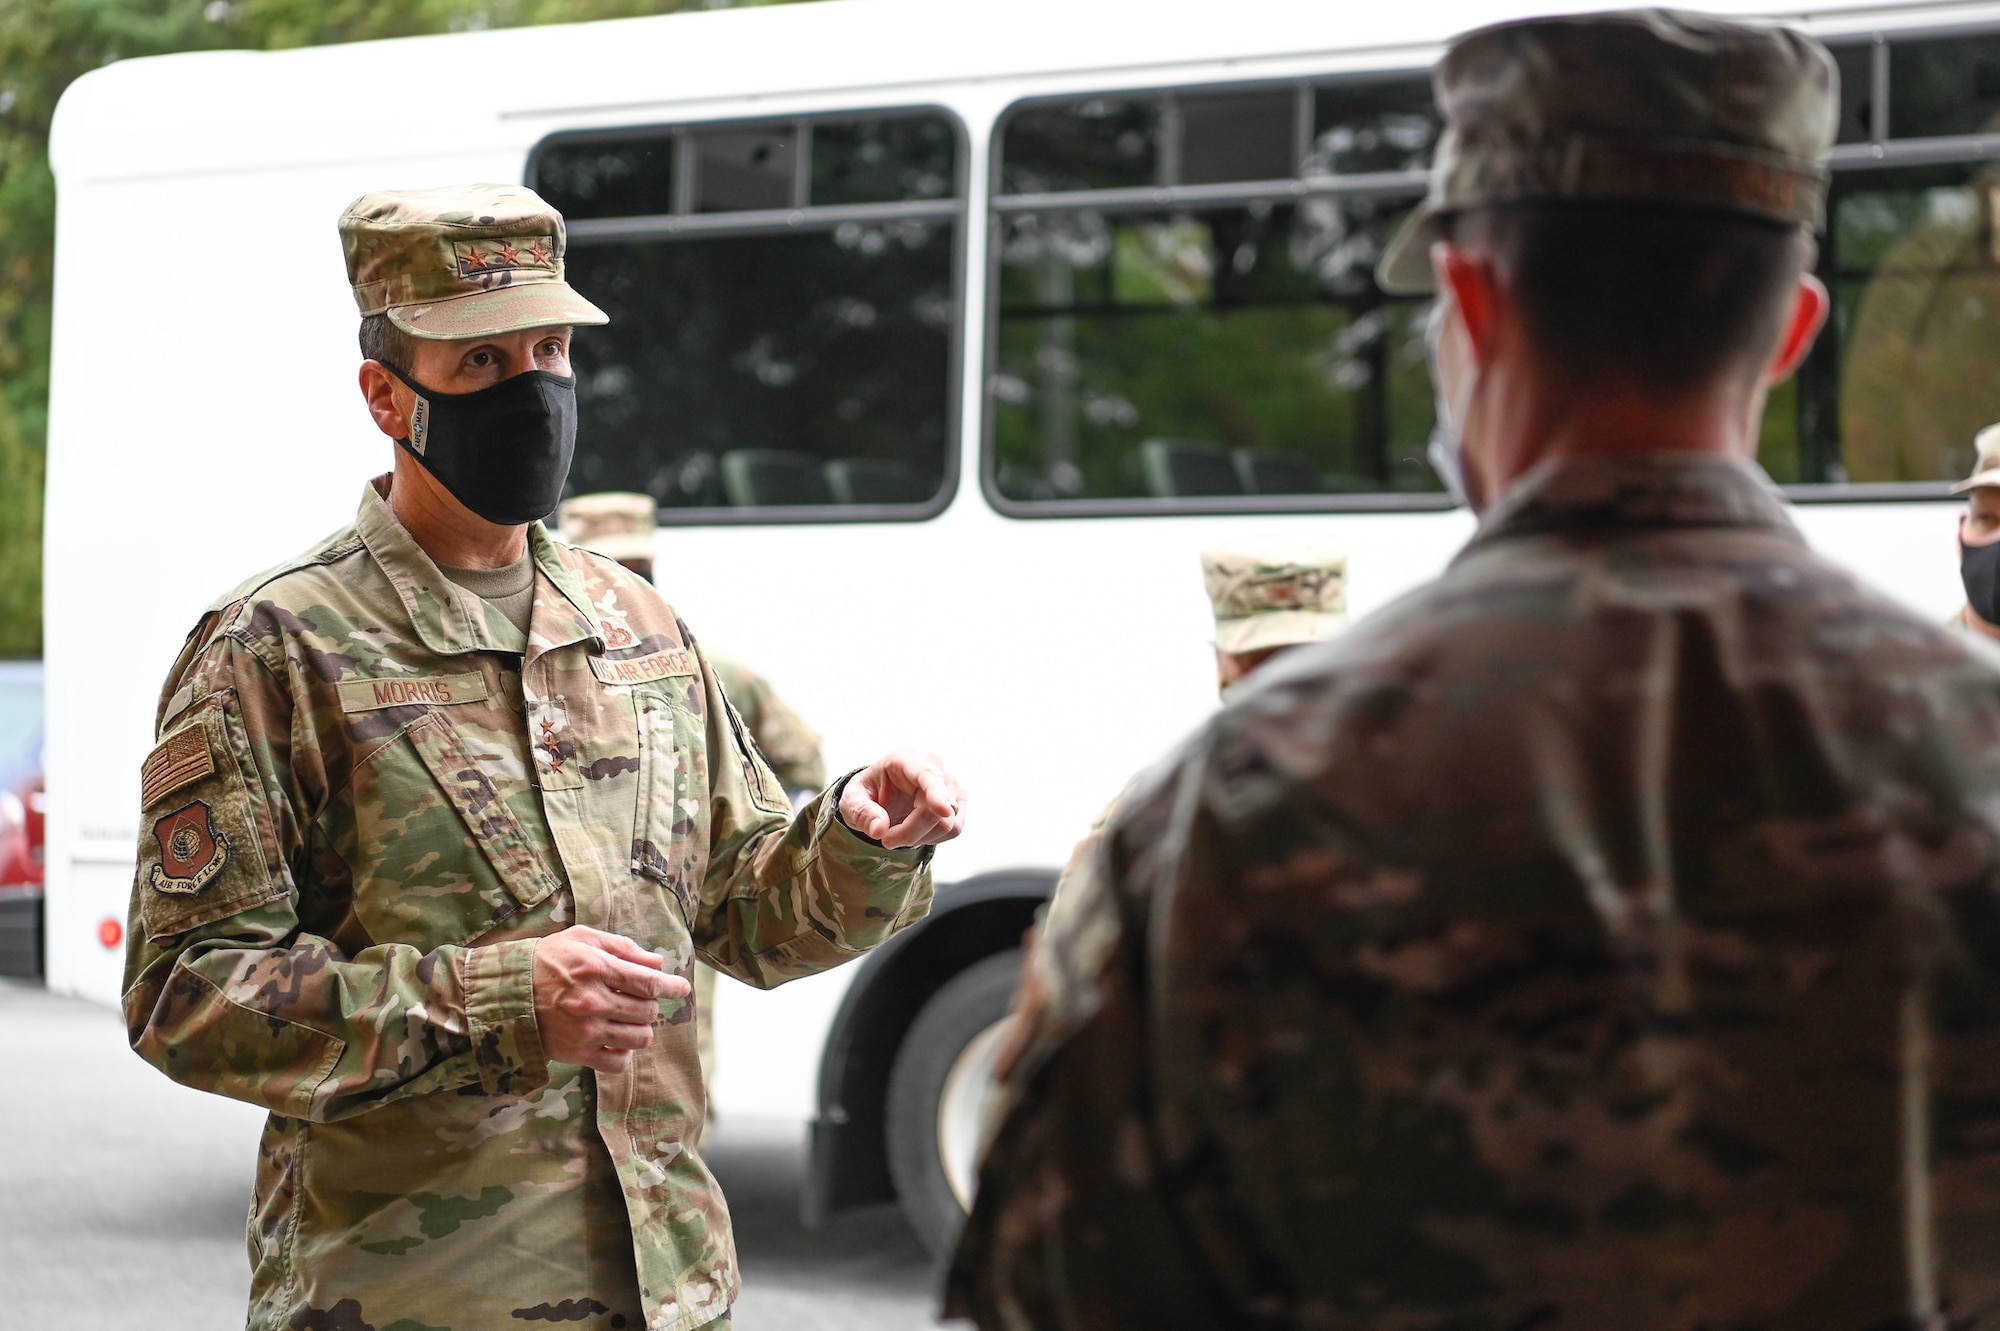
<point x="204" y="424"/>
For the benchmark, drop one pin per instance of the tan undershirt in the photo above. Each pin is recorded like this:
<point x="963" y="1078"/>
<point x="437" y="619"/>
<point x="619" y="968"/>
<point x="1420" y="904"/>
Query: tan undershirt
<point x="510" y="590"/>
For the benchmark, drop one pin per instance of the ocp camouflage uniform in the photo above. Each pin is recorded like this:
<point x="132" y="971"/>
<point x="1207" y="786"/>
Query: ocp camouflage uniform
<point x="371" y="795"/>
<point x="1605" y="936"/>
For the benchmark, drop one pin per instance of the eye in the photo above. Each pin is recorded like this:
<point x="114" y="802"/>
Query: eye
<point x="480" y="360"/>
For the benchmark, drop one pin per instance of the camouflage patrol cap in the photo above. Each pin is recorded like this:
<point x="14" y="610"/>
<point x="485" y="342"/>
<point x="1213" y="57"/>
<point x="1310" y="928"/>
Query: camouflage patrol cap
<point x="1270" y="599"/>
<point x="461" y="261"/>
<point x="1646" y="105"/>
<point x="616" y="524"/>
<point x="1985" y="462"/>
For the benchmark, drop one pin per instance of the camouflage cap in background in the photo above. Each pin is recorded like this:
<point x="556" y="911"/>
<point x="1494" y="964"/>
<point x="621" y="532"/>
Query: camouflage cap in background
<point x="1985" y="462"/>
<point x="616" y="524"/>
<point x="461" y="261"/>
<point x="1640" y="106"/>
<point x="1269" y="599"/>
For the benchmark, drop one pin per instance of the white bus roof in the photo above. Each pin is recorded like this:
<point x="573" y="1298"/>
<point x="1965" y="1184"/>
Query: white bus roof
<point x="229" y="111"/>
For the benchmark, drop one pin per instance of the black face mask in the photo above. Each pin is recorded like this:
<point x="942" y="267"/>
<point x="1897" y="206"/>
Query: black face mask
<point x="503" y="451"/>
<point x="1979" y="570"/>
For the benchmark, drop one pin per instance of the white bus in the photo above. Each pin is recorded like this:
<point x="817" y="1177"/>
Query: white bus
<point x="945" y="337"/>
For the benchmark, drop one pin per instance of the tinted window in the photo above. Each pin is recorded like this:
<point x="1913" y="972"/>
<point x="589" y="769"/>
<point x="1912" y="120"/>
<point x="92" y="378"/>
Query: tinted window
<point x="1238" y="136"/>
<point x="747" y="366"/>
<point x="792" y="351"/>
<point x="630" y="176"/>
<point x="744" y="170"/>
<point x="1099" y="143"/>
<point x="1224" y="351"/>
<point x="1903" y="375"/>
<point x="1377" y="125"/>
<point x="876" y="161"/>
<point x="1857" y="93"/>
<point x="1946" y="85"/>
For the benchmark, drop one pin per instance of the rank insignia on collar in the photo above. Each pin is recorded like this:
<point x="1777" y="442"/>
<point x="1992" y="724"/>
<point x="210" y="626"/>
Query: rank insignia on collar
<point x="192" y="852"/>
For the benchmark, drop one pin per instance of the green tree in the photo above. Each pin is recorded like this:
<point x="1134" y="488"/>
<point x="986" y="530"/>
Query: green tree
<point x="44" y="45"/>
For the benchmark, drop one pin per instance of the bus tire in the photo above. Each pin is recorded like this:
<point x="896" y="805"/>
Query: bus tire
<point x="935" y="1090"/>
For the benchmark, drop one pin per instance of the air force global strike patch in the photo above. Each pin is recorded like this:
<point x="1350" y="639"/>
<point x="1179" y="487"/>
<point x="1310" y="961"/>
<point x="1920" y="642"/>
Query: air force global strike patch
<point x="192" y="852"/>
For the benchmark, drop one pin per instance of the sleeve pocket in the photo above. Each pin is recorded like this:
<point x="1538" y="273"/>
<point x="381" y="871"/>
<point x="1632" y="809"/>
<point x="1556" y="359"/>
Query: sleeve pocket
<point x="201" y="857"/>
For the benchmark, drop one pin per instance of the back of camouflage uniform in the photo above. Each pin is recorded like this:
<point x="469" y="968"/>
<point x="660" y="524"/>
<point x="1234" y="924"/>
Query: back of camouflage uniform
<point x="1605" y="937"/>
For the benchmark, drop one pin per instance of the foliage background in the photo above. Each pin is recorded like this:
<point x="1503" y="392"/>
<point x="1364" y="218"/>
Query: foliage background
<point x="44" y="45"/>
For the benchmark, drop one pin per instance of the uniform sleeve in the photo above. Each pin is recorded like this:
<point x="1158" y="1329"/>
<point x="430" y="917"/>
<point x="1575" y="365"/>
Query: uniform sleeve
<point x="788" y="895"/>
<point x="1075" y="1222"/>
<point x="226" y="990"/>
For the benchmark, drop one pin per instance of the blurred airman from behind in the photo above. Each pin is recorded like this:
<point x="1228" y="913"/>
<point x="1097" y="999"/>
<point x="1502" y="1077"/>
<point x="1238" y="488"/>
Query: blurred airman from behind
<point x="1979" y="538"/>
<point x="1607" y="934"/>
<point x="621" y="525"/>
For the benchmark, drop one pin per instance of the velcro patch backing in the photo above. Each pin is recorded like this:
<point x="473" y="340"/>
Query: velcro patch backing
<point x="365" y="695"/>
<point x="644" y="669"/>
<point x="181" y="759"/>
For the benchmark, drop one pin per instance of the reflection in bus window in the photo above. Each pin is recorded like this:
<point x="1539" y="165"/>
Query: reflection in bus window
<point x="1944" y="85"/>
<point x="802" y="350"/>
<point x="1219" y="352"/>
<point x="1100" y="143"/>
<point x="1154" y="347"/>
<point x="1380" y="125"/>
<point x="1903" y="375"/>
<point x="754" y="363"/>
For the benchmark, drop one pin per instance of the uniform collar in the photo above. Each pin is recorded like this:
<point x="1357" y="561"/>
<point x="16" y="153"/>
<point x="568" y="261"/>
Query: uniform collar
<point x="443" y="621"/>
<point x="1582" y="494"/>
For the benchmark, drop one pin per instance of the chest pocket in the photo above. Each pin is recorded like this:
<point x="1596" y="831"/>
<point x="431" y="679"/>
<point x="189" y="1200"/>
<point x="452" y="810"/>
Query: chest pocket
<point x="440" y="857"/>
<point x="670" y="826"/>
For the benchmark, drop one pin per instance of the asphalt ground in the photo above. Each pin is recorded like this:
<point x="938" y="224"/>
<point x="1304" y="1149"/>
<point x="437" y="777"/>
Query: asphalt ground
<point x="123" y="1196"/>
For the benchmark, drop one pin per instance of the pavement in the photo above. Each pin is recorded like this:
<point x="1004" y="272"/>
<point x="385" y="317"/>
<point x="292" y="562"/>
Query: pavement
<point x="122" y="1193"/>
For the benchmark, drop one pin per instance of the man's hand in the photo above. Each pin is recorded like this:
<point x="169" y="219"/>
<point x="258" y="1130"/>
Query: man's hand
<point x="597" y="996"/>
<point x="905" y="799"/>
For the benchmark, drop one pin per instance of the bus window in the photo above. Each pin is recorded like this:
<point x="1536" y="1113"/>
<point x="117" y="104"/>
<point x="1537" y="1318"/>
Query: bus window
<point x="783" y="301"/>
<point x="1359" y="128"/>
<point x="1901" y="378"/>
<point x="1166" y="343"/>
<point x="1944" y="86"/>
<point x="1099" y="143"/>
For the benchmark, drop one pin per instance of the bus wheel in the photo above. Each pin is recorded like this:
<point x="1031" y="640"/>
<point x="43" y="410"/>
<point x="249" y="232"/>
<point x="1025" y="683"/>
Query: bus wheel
<point x="938" y="1090"/>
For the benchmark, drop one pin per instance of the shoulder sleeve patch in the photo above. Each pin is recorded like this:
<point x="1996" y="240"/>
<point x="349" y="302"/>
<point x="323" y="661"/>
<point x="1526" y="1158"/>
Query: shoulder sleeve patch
<point x="181" y="759"/>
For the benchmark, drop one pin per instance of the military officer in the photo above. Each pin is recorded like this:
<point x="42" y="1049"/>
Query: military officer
<point x="441" y="813"/>
<point x="1979" y="538"/>
<point x="621" y="525"/>
<point x="1606" y="935"/>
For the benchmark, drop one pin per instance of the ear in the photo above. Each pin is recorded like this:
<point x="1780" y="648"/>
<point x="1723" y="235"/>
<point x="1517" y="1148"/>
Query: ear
<point x="389" y="400"/>
<point x="1809" y="311"/>
<point x="1475" y="288"/>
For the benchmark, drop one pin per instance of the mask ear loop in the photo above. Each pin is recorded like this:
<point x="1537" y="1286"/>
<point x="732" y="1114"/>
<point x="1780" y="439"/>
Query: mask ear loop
<point x="1446" y="449"/>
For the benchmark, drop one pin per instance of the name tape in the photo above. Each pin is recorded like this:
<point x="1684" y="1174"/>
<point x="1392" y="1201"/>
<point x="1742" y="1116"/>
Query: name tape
<point x="644" y="669"/>
<point x="365" y="695"/>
